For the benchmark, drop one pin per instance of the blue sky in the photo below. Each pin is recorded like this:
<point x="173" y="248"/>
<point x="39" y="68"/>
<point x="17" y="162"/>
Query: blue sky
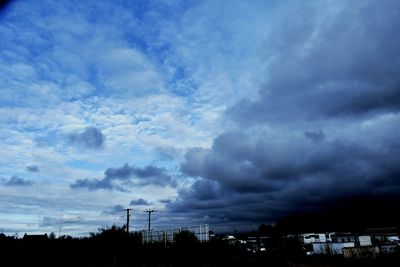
<point x="209" y="111"/>
<point x="151" y="77"/>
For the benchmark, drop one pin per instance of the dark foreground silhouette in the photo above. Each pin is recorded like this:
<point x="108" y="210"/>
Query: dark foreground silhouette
<point x="114" y="247"/>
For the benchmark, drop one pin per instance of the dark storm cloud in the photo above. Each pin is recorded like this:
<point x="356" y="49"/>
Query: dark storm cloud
<point x="327" y="62"/>
<point x="267" y="179"/>
<point x="194" y="164"/>
<point x="138" y="202"/>
<point x="32" y="168"/>
<point x="90" y="138"/>
<point x="4" y="4"/>
<point x="165" y="201"/>
<point x="316" y="136"/>
<point x="127" y="175"/>
<point x="205" y="201"/>
<point x="17" y="181"/>
<point x="234" y="161"/>
<point x="332" y="67"/>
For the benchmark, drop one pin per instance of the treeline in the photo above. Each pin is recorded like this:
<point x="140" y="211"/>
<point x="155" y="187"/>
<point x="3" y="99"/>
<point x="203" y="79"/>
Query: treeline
<point x="115" y="247"/>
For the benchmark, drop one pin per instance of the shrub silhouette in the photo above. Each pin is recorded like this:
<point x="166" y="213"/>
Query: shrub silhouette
<point x="52" y="235"/>
<point x="112" y="233"/>
<point x="185" y="238"/>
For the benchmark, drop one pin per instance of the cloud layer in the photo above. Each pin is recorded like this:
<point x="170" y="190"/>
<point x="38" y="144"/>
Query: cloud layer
<point x="91" y="137"/>
<point x="128" y="175"/>
<point x="17" y="181"/>
<point x="139" y="202"/>
<point x="32" y="168"/>
<point x="339" y="62"/>
<point x="323" y="127"/>
<point x="228" y="113"/>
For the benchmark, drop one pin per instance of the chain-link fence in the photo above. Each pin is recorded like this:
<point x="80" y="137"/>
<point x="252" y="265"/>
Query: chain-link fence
<point x="202" y="232"/>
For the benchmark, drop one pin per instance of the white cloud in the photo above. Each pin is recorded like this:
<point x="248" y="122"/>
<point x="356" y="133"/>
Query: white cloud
<point x="152" y="84"/>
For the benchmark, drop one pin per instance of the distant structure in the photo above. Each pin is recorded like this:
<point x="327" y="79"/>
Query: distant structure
<point x="166" y="236"/>
<point x="352" y="245"/>
<point x="35" y="237"/>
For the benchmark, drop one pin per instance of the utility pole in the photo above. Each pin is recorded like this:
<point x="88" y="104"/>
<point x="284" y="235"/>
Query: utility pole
<point x="127" y="219"/>
<point x="149" y="211"/>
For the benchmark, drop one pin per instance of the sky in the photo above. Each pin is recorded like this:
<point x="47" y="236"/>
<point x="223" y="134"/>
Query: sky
<point x="227" y="113"/>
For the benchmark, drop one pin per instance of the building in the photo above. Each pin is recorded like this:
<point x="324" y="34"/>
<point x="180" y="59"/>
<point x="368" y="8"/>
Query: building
<point x="35" y="237"/>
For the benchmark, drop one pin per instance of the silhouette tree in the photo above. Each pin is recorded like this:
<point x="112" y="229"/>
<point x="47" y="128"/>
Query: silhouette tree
<point x="110" y="233"/>
<point x="52" y="235"/>
<point x="185" y="238"/>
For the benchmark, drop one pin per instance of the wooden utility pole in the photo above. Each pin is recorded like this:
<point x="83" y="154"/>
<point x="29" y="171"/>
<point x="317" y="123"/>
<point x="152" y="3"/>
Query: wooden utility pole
<point x="127" y="219"/>
<point x="150" y="211"/>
